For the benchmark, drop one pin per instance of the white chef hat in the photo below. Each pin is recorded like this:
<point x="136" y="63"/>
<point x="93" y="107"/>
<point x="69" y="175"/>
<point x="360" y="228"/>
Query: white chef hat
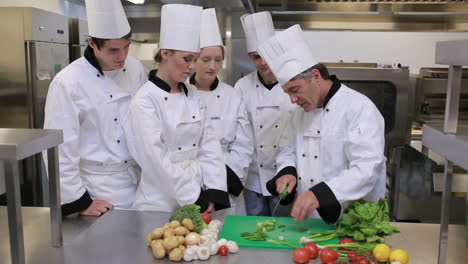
<point x="209" y="33"/>
<point x="287" y="54"/>
<point x="180" y="27"/>
<point x="106" y="19"/>
<point x="258" y="27"/>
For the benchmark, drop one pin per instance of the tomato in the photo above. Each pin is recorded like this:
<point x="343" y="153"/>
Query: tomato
<point x="328" y="255"/>
<point x="223" y="250"/>
<point x="345" y="241"/>
<point x="301" y="255"/>
<point x="352" y="256"/>
<point x="206" y="217"/>
<point x="363" y="261"/>
<point x="313" y="249"/>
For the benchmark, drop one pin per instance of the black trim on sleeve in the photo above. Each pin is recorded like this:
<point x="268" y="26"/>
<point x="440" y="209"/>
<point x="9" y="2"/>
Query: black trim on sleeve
<point x="219" y="198"/>
<point x="77" y="206"/>
<point x="330" y="208"/>
<point x="202" y="201"/>
<point x="271" y="184"/>
<point x="235" y="185"/>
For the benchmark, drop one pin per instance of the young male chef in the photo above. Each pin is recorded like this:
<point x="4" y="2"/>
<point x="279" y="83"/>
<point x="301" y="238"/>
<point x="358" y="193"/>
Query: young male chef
<point x="89" y="100"/>
<point x="333" y="149"/>
<point x="268" y="108"/>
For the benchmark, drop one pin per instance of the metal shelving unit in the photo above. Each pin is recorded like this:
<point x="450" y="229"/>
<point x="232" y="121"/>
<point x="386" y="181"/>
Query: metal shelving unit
<point x="16" y="145"/>
<point x="451" y="140"/>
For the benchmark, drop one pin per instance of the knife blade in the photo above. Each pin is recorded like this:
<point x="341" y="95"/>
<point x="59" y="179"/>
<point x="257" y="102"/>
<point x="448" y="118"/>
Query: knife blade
<point x="281" y="197"/>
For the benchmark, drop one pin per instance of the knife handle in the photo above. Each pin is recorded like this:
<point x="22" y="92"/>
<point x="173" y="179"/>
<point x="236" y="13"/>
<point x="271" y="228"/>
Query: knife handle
<point x="284" y="193"/>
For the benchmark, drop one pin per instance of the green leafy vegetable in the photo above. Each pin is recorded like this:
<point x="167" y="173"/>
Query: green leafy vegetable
<point x="191" y="211"/>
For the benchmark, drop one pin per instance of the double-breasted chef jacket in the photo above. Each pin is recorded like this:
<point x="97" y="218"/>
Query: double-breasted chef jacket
<point x="268" y="109"/>
<point x="171" y="137"/>
<point x="336" y="151"/>
<point x="228" y="116"/>
<point x="89" y="105"/>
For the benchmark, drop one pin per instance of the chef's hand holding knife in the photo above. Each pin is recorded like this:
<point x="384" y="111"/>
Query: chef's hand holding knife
<point x="97" y="208"/>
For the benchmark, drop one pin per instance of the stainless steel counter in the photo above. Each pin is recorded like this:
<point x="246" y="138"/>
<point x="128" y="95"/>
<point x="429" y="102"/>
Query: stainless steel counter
<point x="119" y="237"/>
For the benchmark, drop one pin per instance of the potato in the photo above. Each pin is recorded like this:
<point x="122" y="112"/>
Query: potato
<point x="170" y="243"/>
<point x="159" y="252"/>
<point x="166" y="226"/>
<point x="181" y="240"/>
<point x="181" y="231"/>
<point x="176" y="254"/>
<point x="188" y="223"/>
<point x="157" y="233"/>
<point x="157" y="243"/>
<point x="183" y="248"/>
<point x="174" y="224"/>
<point x="149" y="239"/>
<point x="169" y="232"/>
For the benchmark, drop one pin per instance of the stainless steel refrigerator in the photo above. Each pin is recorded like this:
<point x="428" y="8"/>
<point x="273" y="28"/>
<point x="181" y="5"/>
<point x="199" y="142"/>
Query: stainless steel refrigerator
<point x="78" y="31"/>
<point x="34" y="48"/>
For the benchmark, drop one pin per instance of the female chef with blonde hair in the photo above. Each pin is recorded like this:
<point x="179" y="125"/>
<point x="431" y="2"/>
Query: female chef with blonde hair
<point x="169" y="133"/>
<point x="225" y="109"/>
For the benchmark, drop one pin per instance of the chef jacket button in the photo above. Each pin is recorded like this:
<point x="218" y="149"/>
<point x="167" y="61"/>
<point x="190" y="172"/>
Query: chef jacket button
<point x="219" y="96"/>
<point x="261" y="166"/>
<point x="261" y="146"/>
<point x="311" y="180"/>
<point x="180" y="148"/>
<point x="125" y="161"/>
<point x="303" y="155"/>
<point x="275" y="166"/>
<point x="110" y="96"/>
<point x="274" y="146"/>
<point x="193" y="117"/>
<point x="300" y="178"/>
<point x="97" y="75"/>
<point x="318" y="131"/>
<point x="118" y="141"/>
<point x="315" y="156"/>
<point x="328" y="110"/>
<point x="261" y="126"/>
<point x="124" y="69"/>
<point x="165" y="98"/>
<point x="276" y="126"/>
<point x="194" y="145"/>
<point x="115" y="119"/>
<point x="256" y="85"/>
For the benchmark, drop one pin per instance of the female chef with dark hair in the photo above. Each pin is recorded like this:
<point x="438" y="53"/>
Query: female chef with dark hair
<point x="169" y="134"/>
<point x="226" y="110"/>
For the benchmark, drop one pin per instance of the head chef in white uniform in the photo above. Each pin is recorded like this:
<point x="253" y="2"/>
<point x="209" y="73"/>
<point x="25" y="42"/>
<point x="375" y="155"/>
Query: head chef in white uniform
<point x="268" y="108"/>
<point x="89" y="100"/>
<point x="169" y="130"/>
<point x="333" y="148"/>
<point x="226" y="110"/>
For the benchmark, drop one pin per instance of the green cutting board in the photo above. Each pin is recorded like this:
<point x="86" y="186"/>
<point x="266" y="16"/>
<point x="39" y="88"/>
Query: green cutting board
<point x="234" y="225"/>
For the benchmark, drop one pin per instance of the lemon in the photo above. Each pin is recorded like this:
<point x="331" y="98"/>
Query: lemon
<point x="399" y="255"/>
<point x="381" y="252"/>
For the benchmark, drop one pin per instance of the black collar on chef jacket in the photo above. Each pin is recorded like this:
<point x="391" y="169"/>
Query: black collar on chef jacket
<point x="89" y="56"/>
<point x="162" y="84"/>
<point x="268" y="86"/>
<point x="334" y="88"/>
<point x="213" y="86"/>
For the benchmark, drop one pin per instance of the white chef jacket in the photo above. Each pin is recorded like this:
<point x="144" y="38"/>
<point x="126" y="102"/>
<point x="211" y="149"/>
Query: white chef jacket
<point x="268" y="112"/>
<point x="89" y="106"/>
<point x="228" y="116"/>
<point x="341" y="145"/>
<point x="171" y="138"/>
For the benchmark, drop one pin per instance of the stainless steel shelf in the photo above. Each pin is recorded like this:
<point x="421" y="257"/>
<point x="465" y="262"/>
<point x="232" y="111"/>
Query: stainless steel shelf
<point x="18" y="144"/>
<point x="452" y="147"/>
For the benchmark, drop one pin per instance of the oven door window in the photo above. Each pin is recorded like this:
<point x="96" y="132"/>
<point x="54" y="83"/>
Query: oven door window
<point x="383" y="94"/>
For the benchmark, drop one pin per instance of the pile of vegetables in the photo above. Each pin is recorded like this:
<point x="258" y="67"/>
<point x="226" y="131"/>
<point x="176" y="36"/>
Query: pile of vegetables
<point x="363" y="221"/>
<point x="181" y="240"/>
